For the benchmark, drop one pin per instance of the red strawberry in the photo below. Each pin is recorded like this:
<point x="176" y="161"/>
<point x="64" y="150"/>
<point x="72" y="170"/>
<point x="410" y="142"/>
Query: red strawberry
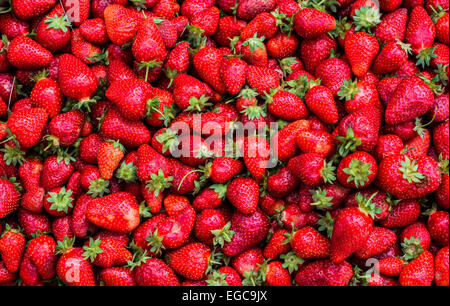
<point x="27" y="126"/>
<point x="391" y="58"/>
<point x="12" y="245"/>
<point x="117" y="212"/>
<point x="53" y="30"/>
<point x="333" y="72"/>
<point x="248" y="9"/>
<point x="392" y="26"/>
<point x="232" y="73"/>
<point x="9" y="197"/>
<point x="287" y="106"/>
<point x="190" y="261"/>
<point x="284" y="139"/>
<point x="24" y="53"/>
<point x="106" y="252"/>
<point x="154" y="272"/>
<point x="391" y="266"/>
<point x="320" y="101"/>
<point x="312" y="169"/>
<point x="361" y="50"/>
<point x="225" y="276"/>
<point x="191" y="94"/>
<point x="308" y="243"/>
<point x="25" y="9"/>
<point x="207" y="63"/>
<point x="118" y="276"/>
<point x="357" y="170"/>
<point x="402" y="214"/>
<point x="94" y="31"/>
<point x="41" y="252"/>
<point x="263" y="79"/>
<point x="110" y="153"/>
<point x="441" y="267"/>
<point x="275" y="247"/>
<point x="420" y="31"/>
<point x="65" y="128"/>
<point x="318" y="142"/>
<point x="438" y="227"/>
<point x="223" y="169"/>
<point x="243" y="193"/>
<point x="46" y="94"/>
<point x="419" y="272"/>
<point x="256" y="156"/>
<point x="380" y="240"/>
<point x="324" y="273"/>
<point x="121" y="24"/>
<point x="248" y="230"/>
<point x="310" y="23"/>
<point x="32" y="223"/>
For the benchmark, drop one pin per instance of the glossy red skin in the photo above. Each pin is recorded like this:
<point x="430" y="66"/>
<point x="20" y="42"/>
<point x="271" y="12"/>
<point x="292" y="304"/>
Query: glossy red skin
<point x="365" y="158"/>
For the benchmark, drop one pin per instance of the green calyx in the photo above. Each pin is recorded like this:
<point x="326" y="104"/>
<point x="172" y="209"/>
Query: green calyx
<point x="58" y="23"/>
<point x="254" y="43"/>
<point x="217" y="279"/>
<point x="222" y="235"/>
<point x="409" y="170"/>
<point x="61" y="201"/>
<point x="366" y="18"/>
<point x="13" y="155"/>
<point x="443" y="164"/>
<point x="98" y="188"/>
<point x="327" y="172"/>
<point x="411" y="248"/>
<point x="155" y="242"/>
<point x="291" y="261"/>
<point x="424" y="57"/>
<point x="220" y="189"/>
<point x="433" y="84"/>
<point x="254" y="111"/>
<point x="144" y="210"/>
<point x="348" y="90"/>
<point x="284" y="23"/>
<point x="195" y="36"/>
<point x="198" y="104"/>
<point x="126" y="172"/>
<point x="252" y="278"/>
<point x="320" y="199"/>
<point x="300" y="86"/>
<point x="342" y="26"/>
<point x="140" y="4"/>
<point x="169" y="140"/>
<point x="92" y="250"/>
<point x="438" y="12"/>
<point x="147" y="66"/>
<point x="366" y="205"/>
<point x="99" y="57"/>
<point x="441" y="73"/>
<point x="326" y="223"/>
<point x="139" y="257"/>
<point x="349" y="143"/>
<point x="65" y="245"/>
<point x="166" y="115"/>
<point x="286" y="65"/>
<point x="358" y="172"/>
<point x="405" y="47"/>
<point x="158" y="182"/>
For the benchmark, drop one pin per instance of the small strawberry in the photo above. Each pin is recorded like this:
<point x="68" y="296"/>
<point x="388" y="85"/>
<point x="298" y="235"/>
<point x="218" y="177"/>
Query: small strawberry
<point x="312" y="169"/>
<point x="308" y="243"/>
<point x="27" y="126"/>
<point x="106" y="252"/>
<point x="324" y="273"/>
<point x="320" y="101"/>
<point x="110" y="153"/>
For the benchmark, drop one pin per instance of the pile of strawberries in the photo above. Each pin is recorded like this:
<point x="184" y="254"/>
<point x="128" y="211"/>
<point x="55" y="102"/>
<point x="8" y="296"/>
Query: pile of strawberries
<point x="99" y="97"/>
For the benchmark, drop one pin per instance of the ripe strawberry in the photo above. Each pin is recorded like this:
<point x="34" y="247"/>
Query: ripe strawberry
<point x="387" y="145"/>
<point x="41" y="252"/>
<point x="121" y="24"/>
<point x="190" y="261"/>
<point x="380" y="240"/>
<point x="46" y="94"/>
<point x="324" y="273"/>
<point x="440" y="139"/>
<point x="223" y="169"/>
<point x="263" y="79"/>
<point x="419" y="272"/>
<point x="128" y="133"/>
<point x="333" y="72"/>
<point x="351" y="230"/>
<point x="249" y="230"/>
<point x="287" y="106"/>
<point x="118" y="276"/>
<point x="392" y="26"/>
<point x="438" y="227"/>
<point x="105" y="212"/>
<point x="71" y="267"/>
<point x="12" y="245"/>
<point x="53" y="30"/>
<point x="310" y="23"/>
<point x="26" y="10"/>
<point x="154" y="272"/>
<point x="441" y="267"/>
<point x="24" y="53"/>
<point x="274" y="274"/>
<point x="406" y="178"/>
<point x="191" y="94"/>
<point x="402" y="214"/>
<point x="308" y="243"/>
<point x="232" y="74"/>
<point x="58" y="201"/>
<point x="311" y="169"/>
<point x="110" y="153"/>
<point x="318" y="142"/>
<point x="9" y="197"/>
<point x="207" y="63"/>
<point x="442" y="28"/>
<point x="65" y="128"/>
<point x="275" y="247"/>
<point x="243" y="193"/>
<point x="256" y="153"/>
<point x="33" y="223"/>
<point x="75" y="78"/>
<point x="420" y="31"/>
<point x="27" y="126"/>
<point x="320" y="101"/>
<point x="106" y="252"/>
<point x="357" y="170"/>
<point x="361" y="50"/>
<point x="224" y="276"/>
<point x="94" y="31"/>
<point x="284" y="139"/>
<point x="392" y="56"/>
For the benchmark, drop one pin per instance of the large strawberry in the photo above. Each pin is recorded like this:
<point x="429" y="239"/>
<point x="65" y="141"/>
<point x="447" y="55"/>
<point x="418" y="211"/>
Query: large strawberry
<point x="121" y="24"/>
<point x="190" y="261"/>
<point x="419" y="272"/>
<point x="243" y="193"/>
<point x="361" y="50"/>
<point x="310" y="23"/>
<point x="27" y="126"/>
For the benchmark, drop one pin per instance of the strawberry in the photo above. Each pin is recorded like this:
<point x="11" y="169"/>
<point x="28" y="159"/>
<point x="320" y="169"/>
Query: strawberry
<point x="263" y="79"/>
<point x="419" y="272"/>
<point x="441" y="20"/>
<point x="33" y="223"/>
<point x="117" y="276"/>
<point x="41" y="252"/>
<point x="320" y="101"/>
<point x="190" y="93"/>
<point x="207" y="63"/>
<point x="333" y="72"/>
<point x="380" y="240"/>
<point x="275" y="247"/>
<point x="352" y="228"/>
<point x="166" y="9"/>
<point x="357" y="170"/>
<point x="53" y="30"/>
<point x="406" y="178"/>
<point x="121" y="24"/>
<point x="263" y="25"/>
<point x="387" y="145"/>
<point x="414" y="238"/>
<point x="256" y="156"/>
<point x="441" y="267"/>
<point x="184" y="177"/>
<point x="9" y="199"/>
<point x="110" y="153"/>
<point x="391" y="266"/>
<point x="437" y="225"/>
<point x="324" y="273"/>
<point x="121" y="218"/>
<point x="392" y="26"/>
<point x="249" y="9"/>
<point x="223" y="169"/>
<point x="248" y="265"/>
<point x="84" y="50"/>
<point x="243" y="193"/>
<point x="361" y="50"/>
<point x="58" y="201"/>
<point x="27" y="126"/>
<point x="274" y="274"/>
<point x="25" y="9"/>
<point x="13" y="27"/>
<point x="232" y="74"/>
<point x="94" y="31"/>
<point x="308" y="243"/>
<point x="61" y="227"/>
<point x="46" y="94"/>
<point x="190" y="261"/>
<point x="284" y="139"/>
<point x="106" y="252"/>
<point x="154" y="272"/>
<point x="24" y="53"/>
<point x="402" y="214"/>
<point x="287" y="106"/>
<point x="440" y="140"/>
<point x="211" y="227"/>
<point x="392" y="56"/>
<point x="228" y="28"/>
<point x="282" y="46"/>
<point x="311" y="169"/>
<point x="310" y="23"/>
<point x="65" y="128"/>
<point x="71" y="267"/>
<point x="248" y="230"/>
<point x="75" y="78"/>
<point x="128" y="133"/>
<point x="178" y="61"/>
<point x="281" y="183"/>
<point x="318" y="142"/>
<point x="420" y="31"/>
<point x="12" y="245"/>
<point x="315" y="51"/>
